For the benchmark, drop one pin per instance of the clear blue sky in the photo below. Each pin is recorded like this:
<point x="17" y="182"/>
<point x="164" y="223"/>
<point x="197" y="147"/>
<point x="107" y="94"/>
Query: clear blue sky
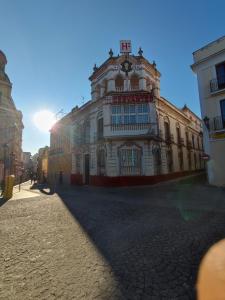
<point x="52" y="45"/>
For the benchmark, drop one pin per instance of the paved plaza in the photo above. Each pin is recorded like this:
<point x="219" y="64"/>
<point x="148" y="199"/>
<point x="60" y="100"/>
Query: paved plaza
<point x="104" y="243"/>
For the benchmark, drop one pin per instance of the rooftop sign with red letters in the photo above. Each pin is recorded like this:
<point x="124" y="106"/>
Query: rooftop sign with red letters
<point x="125" y="46"/>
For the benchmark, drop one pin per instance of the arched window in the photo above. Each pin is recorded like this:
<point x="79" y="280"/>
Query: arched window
<point x="178" y="133"/>
<point x="100" y="125"/>
<point x="169" y="159"/>
<point x="78" y="134"/>
<point x="134" y="82"/>
<point x="119" y="82"/>
<point x="180" y="159"/>
<point x="101" y="158"/>
<point x="130" y="160"/>
<point x="167" y="129"/>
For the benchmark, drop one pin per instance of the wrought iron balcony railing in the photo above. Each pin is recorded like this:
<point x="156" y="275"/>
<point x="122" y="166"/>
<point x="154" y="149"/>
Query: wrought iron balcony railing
<point x="130" y="88"/>
<point x="133" y="126"/>
<point x="217" y="123"/>
<point x="217" y="84"/>
<point x="169" y="139"/>
<point x="180" y="141"/>
<point x="189" y="145"/>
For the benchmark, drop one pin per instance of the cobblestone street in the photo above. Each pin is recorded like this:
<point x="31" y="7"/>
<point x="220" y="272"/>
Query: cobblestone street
<point x="104" y="243"/>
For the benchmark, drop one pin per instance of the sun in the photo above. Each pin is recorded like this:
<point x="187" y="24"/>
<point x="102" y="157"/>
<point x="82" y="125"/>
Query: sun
<point x="44" y="120"/>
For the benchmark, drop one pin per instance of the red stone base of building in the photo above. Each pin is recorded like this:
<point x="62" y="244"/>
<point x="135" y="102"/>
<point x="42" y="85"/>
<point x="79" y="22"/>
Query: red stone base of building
<point x="77" y="179"/>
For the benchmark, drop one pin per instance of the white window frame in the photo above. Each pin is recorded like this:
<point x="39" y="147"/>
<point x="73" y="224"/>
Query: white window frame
<point x="130" y="113"/>
<point x="130" y="161"/>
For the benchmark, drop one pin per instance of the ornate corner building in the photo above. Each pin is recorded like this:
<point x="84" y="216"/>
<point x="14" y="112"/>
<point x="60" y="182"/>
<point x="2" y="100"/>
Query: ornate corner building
<point x="127" y="134"/>
<point x="11" y="127"/>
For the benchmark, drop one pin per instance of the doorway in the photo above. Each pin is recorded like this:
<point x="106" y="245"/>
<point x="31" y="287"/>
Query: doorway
<point x="86" y="169"/>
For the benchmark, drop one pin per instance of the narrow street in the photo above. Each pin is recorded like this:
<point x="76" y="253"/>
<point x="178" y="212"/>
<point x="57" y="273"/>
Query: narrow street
<point x="103" y="243"/>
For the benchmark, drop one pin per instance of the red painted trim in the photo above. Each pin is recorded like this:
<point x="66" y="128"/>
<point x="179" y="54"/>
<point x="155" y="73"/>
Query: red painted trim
<point x="76" y="179"/>
<point x="129" y="180"/>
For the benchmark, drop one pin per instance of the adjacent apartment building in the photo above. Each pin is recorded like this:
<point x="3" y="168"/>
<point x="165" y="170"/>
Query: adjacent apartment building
<point x="11" y="127"/>
<point x="127" y="134"/>
<point x="209" y="65"/>
<point x="42" y="164"/>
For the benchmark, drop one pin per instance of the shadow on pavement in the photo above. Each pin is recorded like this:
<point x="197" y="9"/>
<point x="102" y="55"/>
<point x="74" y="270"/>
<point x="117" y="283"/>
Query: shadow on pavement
<point x="2" y="201"/>
<point x="43" y="188"/>
<point x="153" y="251"/>
<point x="153" y="238"/>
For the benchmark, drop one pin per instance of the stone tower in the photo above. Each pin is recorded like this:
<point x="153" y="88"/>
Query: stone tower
<point x="11" y="127"/>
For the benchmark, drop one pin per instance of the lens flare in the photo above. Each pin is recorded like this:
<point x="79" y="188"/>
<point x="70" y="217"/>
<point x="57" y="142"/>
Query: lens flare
<point x="44" y="120"/>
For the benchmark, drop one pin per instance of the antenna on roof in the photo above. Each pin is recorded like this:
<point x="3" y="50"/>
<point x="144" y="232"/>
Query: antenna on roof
<point x="82" y="100"/>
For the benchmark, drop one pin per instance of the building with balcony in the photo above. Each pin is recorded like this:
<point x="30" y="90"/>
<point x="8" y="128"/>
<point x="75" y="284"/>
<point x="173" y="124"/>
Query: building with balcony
<point x="209" y="65"/>
<point x="127" y="134"/>
<point x="11" y="127"/>
<point x="42" y="164"/>
<point x="60" y="151"/>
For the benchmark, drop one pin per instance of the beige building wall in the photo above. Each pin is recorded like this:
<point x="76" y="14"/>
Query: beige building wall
<point x="60" y="158"/>
<point x="211" y="95"/>
<point x="11" y="127"/>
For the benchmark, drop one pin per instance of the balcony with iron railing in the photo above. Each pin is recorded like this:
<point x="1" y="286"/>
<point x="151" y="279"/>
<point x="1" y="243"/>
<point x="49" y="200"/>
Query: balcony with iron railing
<point x="169" y="138"/>
<point x="131" y="126"/>
<point x="130" y="130"/>
<point x="180" y="141"/>
<point x="130" y="89"/>
<point x="217" y="84"/>
<point x="189" y="145"/>
<point x="217" y="124"/>
<point x="125" y="89"/>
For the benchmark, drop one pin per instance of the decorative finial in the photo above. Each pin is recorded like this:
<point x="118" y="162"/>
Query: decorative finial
<point x="95" y="68"/>
<point x="110" y="52"/>
<point x="140" y="52"/>
<point x="154" y="64"/>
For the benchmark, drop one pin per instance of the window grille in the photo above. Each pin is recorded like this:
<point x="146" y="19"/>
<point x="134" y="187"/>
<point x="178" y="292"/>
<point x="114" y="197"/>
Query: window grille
<point x="100" y="128"/>
<point x="181" y="159"/>
<point x="101" y="162"/>
<point x="169" y="157"/>
<point x="130" y="161"/>
<point x="78" y="158"/>
<point x="157" y="160"/>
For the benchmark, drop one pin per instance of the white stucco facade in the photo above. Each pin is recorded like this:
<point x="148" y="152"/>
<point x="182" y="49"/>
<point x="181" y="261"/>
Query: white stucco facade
<point x="209" y="65"/>
<point x="113" y="146"/>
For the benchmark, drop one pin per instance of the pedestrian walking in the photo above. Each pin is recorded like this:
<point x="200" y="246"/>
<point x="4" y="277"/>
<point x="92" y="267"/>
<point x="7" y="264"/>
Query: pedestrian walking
<point x="31" y="178"/>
